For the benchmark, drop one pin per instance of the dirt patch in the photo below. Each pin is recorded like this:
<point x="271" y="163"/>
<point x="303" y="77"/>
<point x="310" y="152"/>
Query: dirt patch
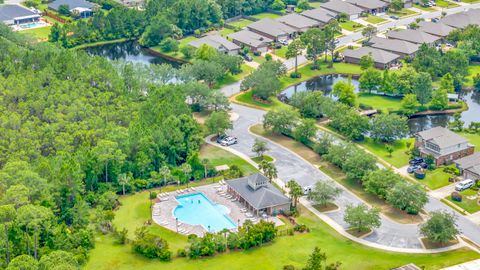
<point x="432" y="245"/>
<point x="201" y="117"/>
<point x="357" y="233"/>
<point x="326" y="208"/>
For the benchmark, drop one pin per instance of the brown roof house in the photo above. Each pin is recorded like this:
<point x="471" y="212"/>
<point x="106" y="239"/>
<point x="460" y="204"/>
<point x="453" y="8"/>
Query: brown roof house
<point x="258" y="194"/>
<point x="443" y="145"/>
<point x="272" y="29"/>
<point x="469" y="166"/>
<point x="382" y="59"/>
<point x="396" y="46"/>
<point x="218" y="42"/>
<point x="298" y="22"/>
<point x="254" y="41"/>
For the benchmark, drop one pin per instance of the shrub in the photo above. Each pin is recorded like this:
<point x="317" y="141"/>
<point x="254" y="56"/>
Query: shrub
<point x="169" y="45"/>
<point x="268" y="57"/>
<point x="456" y="196"/>
<point x="295" y="75"/>
<point x="151" y="246"/>
<point x="153" y="195"/>
<point x="257" y="53"/>
<point x="288" y="267"/>
<point x="181" y="252"/>
<point x="301" y="228"/>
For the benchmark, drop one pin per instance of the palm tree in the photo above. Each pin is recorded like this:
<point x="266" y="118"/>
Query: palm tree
<point x="187" y="170"/>
<point x="123" y="179"/>
<point x="164" y="172"/>
<point x="295" y="191"/>
<point x="205" y="162"/>
<point x="268" y="169"/>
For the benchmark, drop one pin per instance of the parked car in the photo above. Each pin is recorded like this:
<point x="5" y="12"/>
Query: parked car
<point x="435" y="20"/>
<point x="416" y="161"/>
<point x="229" y="140"/>
<point x="463" y="185"/>
<point x="284" y="42"/>
<point x="248" y="58"/>
<point x="424" y="165"/>
<point x="394" y="17"/>
<point x="221" y="137"/>
<point x="412" y="169"/>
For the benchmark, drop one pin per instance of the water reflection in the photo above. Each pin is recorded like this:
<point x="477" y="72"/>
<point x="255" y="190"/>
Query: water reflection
<point x="321" y="83"/>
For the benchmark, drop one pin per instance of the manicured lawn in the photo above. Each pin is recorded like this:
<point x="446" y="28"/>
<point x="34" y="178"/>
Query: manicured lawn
<point x="247" y="99"/>
<point x="240" y="23"/>
<point x="284" y="250"/>
<point x="374" y="19"/>
<point x="229" y="79"/>
<point x="470" y="1"/>
<point x="383" y="103"/>
<point x="262" y="158"/>
<point x="445" y="4"/>
<point x="399" y="156"/>
<point x="226" y="31"/>
<point x="436" y="178"/>
<point x="217" y="156"/>
<point x="315" y="4"/>
<point x="351" y="26"/>
<point x="265" y="15"/>
<point x="473" y="70"/>
<point x="404" y="12"/>
<point x="39" y="33"/>
<point x="473" y="138"/>
<point x="429" y="9"/>
<point x="470" y="205"/>
<point x="281" y="52"/>
<point x="182" y="43"/>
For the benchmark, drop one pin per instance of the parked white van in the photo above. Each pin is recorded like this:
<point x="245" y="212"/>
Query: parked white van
<point x="465" y="184"/>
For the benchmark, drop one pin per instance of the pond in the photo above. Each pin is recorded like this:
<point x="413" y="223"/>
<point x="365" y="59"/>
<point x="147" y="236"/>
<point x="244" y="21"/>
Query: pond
<point x="471" y="115"/>
<point x="128" y="51"/>
<point x="322" y="83"/>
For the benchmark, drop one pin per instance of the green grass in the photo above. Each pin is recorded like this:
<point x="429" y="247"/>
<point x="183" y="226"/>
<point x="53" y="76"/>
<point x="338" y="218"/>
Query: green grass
<point x="246" y="98"/>
<point x="471" y="206"/>
<point x="445" y="4"/>
<point x="284" y="250"/>
<point x="265" y="15"/>
<point x="351" y="26"/>
<point x="240" y="23"/>
<point x="470" y="1"/>
<point x="217" y="156"/>
<point x="315" y="4"/>
<point x="39" y="33"/>
<point x="182" y="43"/>
<point x="399" y="157"/>
<point x="436" y="178"/>
<point x="429" y="9"/>
<point x="262" y="158"/>
<point x="374" y="19"/>
<point x="226" y="31"/>
<point x="259" y="59"/>
<point x="382" y="103"/>
<point x="473" y="70"/>
<point x="229" y="79"/>
<point x="404" y="12"/>
<point x="281" y="52"/>
<point x="473" y="138"/>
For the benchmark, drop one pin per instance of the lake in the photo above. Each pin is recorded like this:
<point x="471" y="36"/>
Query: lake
<point x="322" y="83"/>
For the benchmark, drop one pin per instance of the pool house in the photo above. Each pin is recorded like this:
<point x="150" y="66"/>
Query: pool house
<point x="258" y="195"/>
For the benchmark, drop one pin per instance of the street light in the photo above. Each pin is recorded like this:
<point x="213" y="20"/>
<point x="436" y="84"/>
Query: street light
<point x="176" y="223"/>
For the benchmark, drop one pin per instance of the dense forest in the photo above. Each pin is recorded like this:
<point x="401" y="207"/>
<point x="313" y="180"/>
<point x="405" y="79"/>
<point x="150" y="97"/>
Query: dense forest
<point x="160" y="19"/>
<point x="76" y="131"/>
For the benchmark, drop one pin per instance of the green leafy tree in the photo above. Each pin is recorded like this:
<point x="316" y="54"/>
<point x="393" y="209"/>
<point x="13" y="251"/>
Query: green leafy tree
<point x="169" y="45"/>
<point x="188" y="51"/>
<point x="323" y="193"/>
<point x="427" y="59"/>
<point x="422" y="88"/>
<point x="23" y="262"/>
<point x="295" y="191"/>
<point x="36" y="218"/>
<point x="366" y="62"/>
<point x="187" y="172"/>
<point x="457" y="122"/>
<point x="58" y="260"/>
<point x="386" y="86"/>
<point x="64" y="10"/>
<point x="379" y="182"/>
<point x="407" y="197"/>
<point x="388" y="127"/>
<point x="317" y="261"/>
<point x="447" y="83"/>
<point x="294" y="49"/>
<point x="205" y="52"/>
<point x="361" y="218"/>
<point x="218" y="122"/>
<point x="281" y="121"/>
<point x="260" y="147"/>
<point x="345" y="91"/>
<point x="7" y="216"/>
<point x="202" y="70"/>
<point x="304" y="5"/>
<point x="16" y="195"/>
<point x="278" y="5"/>
<point x="358" y="164"/>
<point x="264" y="82"/>
<point x="369" y="31"/>
<point x="441" y="227"/>
<point x="158" y="29"/>
<point x="330" y="31"/>
<point x="439" y="99"/>
<point x="370" y="80"/>
<point x="456" y="63"/>
<point x="396" y="5"/>
<point x="410" y="104"/>
<point x="305" y="131"/>
<point x="314" y="40"/>
<point x="123" y="179"/>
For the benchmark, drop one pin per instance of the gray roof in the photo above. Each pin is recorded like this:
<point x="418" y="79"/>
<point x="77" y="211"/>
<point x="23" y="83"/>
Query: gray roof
<point x="271" y="27"/>
<point x="415" y="36"/>
<point x="409" y="266"/>
<point x="298" y="21"/>
<point x="368" y="4"/>
<point x="10" y="12"/>
<point x="339" y="6"/>
<point x="250" y="38"/>
<point x="215" y="41"/>
<point x="263" y="197"/>
<point x="319" y="14"/>
<point x="394" y="45"/>
<point x="469" y="161"/>
<point x="442" y="137"/>
<point x="462" y="20"/>
<point x="72" y="4"/>
<point x="378" y="56"/>
<point x="437" y="29"/>
<point x="475" y="169"/>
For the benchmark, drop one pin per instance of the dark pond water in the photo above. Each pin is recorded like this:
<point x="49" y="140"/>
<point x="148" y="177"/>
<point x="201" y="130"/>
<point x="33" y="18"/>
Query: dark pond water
<point x="128" y="51"/>
<point x="320" y="83"/>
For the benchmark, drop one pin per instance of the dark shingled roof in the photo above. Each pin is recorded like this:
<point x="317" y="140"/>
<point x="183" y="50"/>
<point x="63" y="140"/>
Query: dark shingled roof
<point x="469" y="161"/>
<point x="298" y="21"/>
<point x="368" y="4"/>
<point x="342" y="7"/>
<point x="437" y="29"/>
<point x="250" y="38"/>
<point x="271" y="27"/>
<point x="72" y="4"/>
<point x="462" y="20"/>
<point x="378" y="56"/>
<point x="394" y="45"/>
<point x="263" y="197"/>
<point x="319" y="14"/>
<point x="10" y="12"/>
<point x="443" y="137"/>
<point x="415" y="36"/>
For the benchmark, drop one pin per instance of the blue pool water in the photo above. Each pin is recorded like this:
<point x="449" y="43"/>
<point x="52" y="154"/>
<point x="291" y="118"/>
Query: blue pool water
<point x="31" y="25"/>
<point x="196" y="209"/>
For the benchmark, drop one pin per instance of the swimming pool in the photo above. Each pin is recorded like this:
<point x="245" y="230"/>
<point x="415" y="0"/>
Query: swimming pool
<point x="32" y="25"/>
<point x="197" y="209"/>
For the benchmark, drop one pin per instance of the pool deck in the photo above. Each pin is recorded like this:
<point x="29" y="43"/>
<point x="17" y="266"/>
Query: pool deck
<point x="162" y="213"/>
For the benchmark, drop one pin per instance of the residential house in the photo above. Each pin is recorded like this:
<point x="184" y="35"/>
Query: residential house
<point x="337" y="6"/>
<point x="258" y="195"/>
<point x="17" y="15"/>
<point x="406" y="3"/>
<point x="218" y="42"/>
<point x="320" y="15"/>
<point x="298" y="22"/>
<point x="463" y="19"/>
<point x="272" y="29"/>
<point x="78" y="8"/>
<point x="443" y="145"/>
<point x="396" y="46"/>
<point x="470" y="166"/>
<point x="413" y="36"/>
<point x="382" y="59"/>
<point x="370" y="6"/>
<point x="437" y="29"/>
<point x="254" y="41"/>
